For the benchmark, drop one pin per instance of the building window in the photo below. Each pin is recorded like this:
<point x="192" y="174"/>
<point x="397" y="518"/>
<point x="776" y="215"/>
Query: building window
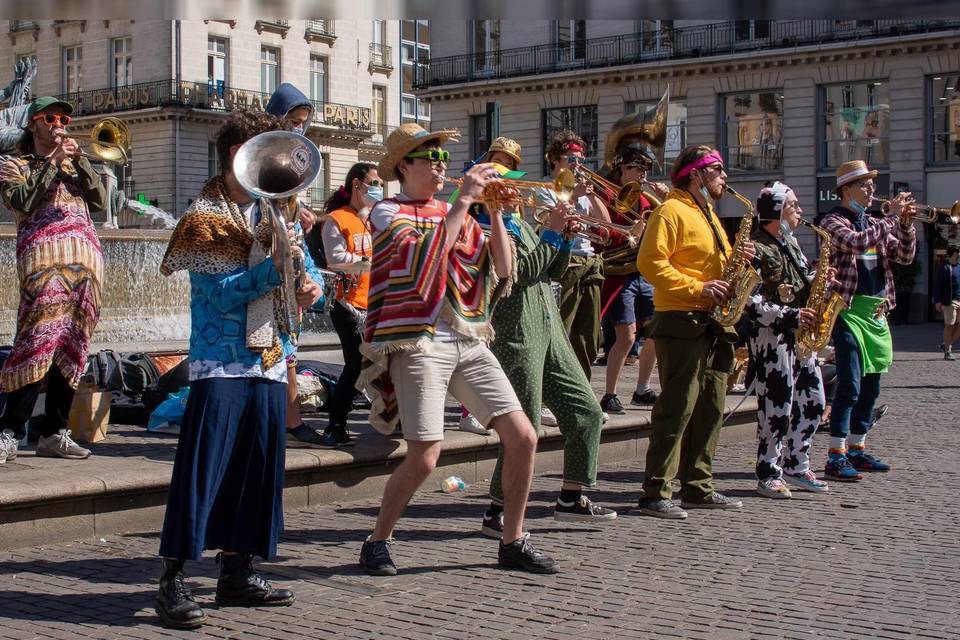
<point x="121" y="73"/>
<point x="217" y="63"/>
<point x="320" y="188"/>
<point x="269" y="69"/>
<point x="676" y="129"/>
<point x="747" y="30"/>
<point x="944" y="119"/>
<point x="655" y="35"/>
<point x="479" y="139"/>
<point x="415" y="62"/>
<point x="318" y="78"/>
<point x="379" y="35"/>
<point x="580" y="120"/>
<point x="571" y="39"/>
<point x="856" y="121"/>
<point x="486" y="43"/>
<point x="72" y="69"/>
<point x="753" y="131"/>
<point x="378" y="111"/>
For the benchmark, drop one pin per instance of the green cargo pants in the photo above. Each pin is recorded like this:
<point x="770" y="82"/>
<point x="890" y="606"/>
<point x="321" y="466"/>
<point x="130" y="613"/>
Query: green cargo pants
<point x="580" y="307"/>
<point x="694" y="358"/>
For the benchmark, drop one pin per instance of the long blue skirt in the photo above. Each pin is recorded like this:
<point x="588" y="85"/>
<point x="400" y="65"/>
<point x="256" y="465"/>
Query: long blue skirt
<point x="227" y="486"/>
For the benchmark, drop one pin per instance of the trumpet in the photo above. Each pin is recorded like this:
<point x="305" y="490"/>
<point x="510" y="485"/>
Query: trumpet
<point x="627" y="196"/>
<point x="927" y="213"/>
<point x="110" y="141"/>
<point x="631" y="232"/>
<point x="495" y="197"/>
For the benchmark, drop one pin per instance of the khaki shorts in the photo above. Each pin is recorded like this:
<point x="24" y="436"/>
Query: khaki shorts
<point x="950" y="312"/>
<point x="467" y="369"/>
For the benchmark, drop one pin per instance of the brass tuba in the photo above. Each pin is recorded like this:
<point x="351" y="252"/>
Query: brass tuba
<point x="275" y="166"/>
<point x="739" y="273"/>
<point x="650" y="126"/>
<point x="110" y="141"/>
<point x="827" y="308"/>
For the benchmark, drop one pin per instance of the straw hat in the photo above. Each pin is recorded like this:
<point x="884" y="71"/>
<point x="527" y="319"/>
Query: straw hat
<point x="851" y="172"/>
<point x="507" y="146"/>
<point x="405" y="139"/>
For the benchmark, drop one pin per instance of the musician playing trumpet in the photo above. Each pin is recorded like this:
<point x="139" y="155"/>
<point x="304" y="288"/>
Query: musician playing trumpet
<point x="683" y="254"/>
<point x="862" y="249"/>
<point x="581" y="282"/>
<point x="790" y="395"/>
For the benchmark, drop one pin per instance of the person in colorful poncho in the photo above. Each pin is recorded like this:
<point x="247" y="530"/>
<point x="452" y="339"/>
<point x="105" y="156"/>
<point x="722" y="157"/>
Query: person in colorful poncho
<point x="51" y="188"/>
<point x="427" y="330"/>
<point x="862" y="250"/>
<point x="227" y="484"/>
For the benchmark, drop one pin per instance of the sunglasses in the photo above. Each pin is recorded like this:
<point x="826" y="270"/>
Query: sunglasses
<point x="433" y="155"/>
<point x="53" y="118"/>
<point x="572" y="159"/>
<point x="374" y="183"/>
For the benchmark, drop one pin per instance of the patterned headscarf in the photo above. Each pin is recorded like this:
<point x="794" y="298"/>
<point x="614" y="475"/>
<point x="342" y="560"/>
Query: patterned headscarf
<point x="770" y="202"/>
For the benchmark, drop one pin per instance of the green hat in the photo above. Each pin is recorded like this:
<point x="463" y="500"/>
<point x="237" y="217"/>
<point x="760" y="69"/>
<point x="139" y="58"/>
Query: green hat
<point x="45" y="102"/>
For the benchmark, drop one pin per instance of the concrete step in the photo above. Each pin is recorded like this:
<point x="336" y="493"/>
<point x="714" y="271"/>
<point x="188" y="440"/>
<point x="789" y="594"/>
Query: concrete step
<point x="123" y="487"/>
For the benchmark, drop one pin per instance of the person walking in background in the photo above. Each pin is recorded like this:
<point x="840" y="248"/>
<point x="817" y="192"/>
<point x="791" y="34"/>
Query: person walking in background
<point x="948" y="301"/>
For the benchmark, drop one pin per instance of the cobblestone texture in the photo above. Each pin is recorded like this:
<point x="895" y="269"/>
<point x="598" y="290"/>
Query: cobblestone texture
<point x="878" y="559"/>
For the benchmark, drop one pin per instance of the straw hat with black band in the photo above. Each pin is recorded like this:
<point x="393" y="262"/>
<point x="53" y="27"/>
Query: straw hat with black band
<point x="405" y="139"/>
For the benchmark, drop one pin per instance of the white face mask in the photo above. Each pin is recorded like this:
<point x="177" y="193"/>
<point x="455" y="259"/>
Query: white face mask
<point x="785" y="228"/>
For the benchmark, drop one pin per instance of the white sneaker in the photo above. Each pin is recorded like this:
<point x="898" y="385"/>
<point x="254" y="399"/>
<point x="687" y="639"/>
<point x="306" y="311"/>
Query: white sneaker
<point x="472" y="425"/>
<point x="606" y="416"/>
<point x="61" y="445"/>
<point x="773" y="488"/>
<point x="8" y="446"/>
<point x="547" y="418"/>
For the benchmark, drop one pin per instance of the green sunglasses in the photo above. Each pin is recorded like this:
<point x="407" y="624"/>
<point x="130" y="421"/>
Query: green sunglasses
<point x="433" y="155"/>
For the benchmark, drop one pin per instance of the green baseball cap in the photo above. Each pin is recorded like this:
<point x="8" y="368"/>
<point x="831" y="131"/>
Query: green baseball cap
<point x="45" y="102"/>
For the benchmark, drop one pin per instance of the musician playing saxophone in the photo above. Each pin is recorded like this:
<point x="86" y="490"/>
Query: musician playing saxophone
<point x="683" y="254"/>
<point x="790" y="396"/>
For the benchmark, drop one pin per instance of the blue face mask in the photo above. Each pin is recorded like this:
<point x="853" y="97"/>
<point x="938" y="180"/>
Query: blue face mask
<point x="374" y="194"/>
<point x="785" y="228"/>
<point x="857" y="207"/>
<point x="297" y="129"/>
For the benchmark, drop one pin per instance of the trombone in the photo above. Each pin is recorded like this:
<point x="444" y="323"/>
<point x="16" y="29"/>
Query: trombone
<point x="631" y="232"/>
<point x="110" y="141"/>
<point x="494" y="196"/>
<point x="927" y="213"/>
<point x="627" y="196"/>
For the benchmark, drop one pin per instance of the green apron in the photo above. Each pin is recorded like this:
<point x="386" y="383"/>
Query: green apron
<point x="869" y="327"/>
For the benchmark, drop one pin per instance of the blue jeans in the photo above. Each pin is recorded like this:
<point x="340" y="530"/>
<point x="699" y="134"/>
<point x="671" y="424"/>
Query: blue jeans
<point x="856" y="393"/>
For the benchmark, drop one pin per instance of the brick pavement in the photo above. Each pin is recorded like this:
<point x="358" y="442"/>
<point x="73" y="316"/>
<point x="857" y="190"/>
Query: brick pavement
<point x="877" y="559"/>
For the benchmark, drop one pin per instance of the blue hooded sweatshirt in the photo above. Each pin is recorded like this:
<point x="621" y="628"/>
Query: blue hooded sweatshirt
<point x="287" y="98"/>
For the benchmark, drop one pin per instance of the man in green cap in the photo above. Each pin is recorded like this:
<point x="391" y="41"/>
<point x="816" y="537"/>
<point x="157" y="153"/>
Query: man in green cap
<point x="51" y="189"/>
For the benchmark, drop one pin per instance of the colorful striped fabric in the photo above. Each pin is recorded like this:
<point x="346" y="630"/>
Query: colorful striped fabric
<point x="414" y="284"/>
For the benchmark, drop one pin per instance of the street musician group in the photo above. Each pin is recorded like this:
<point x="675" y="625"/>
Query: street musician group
<point x="437" y="297"/>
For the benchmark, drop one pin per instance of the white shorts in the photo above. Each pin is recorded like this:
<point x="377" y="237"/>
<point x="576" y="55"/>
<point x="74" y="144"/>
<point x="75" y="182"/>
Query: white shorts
<point x="467" y="369"/>
<point x="950" y="312"/>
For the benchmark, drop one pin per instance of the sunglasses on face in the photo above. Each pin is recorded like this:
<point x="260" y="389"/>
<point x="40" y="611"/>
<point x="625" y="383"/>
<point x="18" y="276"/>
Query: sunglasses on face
<point x="59" y="119"/>
<point x="572" y="159"/>
<point x="374" y="183"/>
<point x="867" y="186"/>
<point x="433" y="155"/>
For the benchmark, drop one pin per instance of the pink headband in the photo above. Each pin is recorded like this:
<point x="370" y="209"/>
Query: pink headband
<point x="572" y="146"/>
<point x="710" y="158"/>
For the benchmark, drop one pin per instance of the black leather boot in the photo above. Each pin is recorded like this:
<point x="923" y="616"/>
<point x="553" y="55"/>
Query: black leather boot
<point x="240" y="586"/>
<point x="175" y="604"/>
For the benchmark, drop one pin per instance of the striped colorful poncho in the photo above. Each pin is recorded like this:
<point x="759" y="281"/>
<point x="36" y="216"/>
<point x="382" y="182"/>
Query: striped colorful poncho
<point x="59" y="265"/>
<point x="414" y="284"/>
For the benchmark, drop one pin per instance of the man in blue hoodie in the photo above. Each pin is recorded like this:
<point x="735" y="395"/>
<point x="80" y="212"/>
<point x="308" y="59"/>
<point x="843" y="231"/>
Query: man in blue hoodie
<point x="295" y="110"/>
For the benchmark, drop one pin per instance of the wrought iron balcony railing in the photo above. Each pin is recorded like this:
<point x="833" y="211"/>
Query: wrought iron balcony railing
<point x="670" y="43"/>
<point x="321" y="30"/>
<point x="381" y="56"/>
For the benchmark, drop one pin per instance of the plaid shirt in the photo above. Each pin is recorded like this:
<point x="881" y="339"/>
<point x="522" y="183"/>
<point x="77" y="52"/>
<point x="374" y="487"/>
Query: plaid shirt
<point x="894" y="242"/>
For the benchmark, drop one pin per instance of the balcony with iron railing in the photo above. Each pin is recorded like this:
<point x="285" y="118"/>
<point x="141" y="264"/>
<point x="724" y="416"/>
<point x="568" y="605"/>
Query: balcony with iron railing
<point x="273" y="26"/>
<point x="320" y="31"/>
<point x="23" y="25"/>
<point x="666" y="43"/>
<point x="381" y="57"/>
<point x="210" y="97"/>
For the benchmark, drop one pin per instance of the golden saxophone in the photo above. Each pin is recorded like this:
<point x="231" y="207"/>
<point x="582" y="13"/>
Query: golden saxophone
<point x="739" y="273"/>
<point x="827" y="308"/>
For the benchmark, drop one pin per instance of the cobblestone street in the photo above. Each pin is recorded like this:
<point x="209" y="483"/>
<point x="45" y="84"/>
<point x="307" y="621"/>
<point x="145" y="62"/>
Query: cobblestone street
<point x="877" y="559"/>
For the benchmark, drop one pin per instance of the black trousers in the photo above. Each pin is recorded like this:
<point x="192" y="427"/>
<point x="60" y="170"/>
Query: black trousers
<point x="350" y="340"/>
<point x="20" y="405"/>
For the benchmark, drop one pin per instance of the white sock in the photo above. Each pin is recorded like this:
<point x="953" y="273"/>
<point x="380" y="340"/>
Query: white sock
<point x="642" y="388"/>
<point x="858" y="439"/>
<point x="838" y="444"/>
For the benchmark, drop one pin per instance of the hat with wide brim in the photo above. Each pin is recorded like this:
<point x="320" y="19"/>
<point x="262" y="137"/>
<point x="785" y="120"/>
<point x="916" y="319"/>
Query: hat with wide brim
<point x="45" y="102"/>
<point x="508" y="146"/>
<point x="851" y="172"/>
<point x="405" y="139"/>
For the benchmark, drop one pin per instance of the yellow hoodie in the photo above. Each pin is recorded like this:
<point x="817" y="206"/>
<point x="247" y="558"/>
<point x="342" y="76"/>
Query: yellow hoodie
<point x="679" y="253"/>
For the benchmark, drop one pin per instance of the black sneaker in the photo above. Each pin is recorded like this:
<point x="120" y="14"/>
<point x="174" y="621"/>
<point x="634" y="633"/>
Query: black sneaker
<point x="647" y="397"/>
<point x="375" y="558"/>
<point x="337" y="434"/>
<point x="878" y="412"/>
<point x="520" y="554"/>
<point x="713" y="501"/>
<point x="661" y="508"/>
<point x="582" y="510"/>
<point x="302" y="436"/>
<point x="611" y="404"/>
<point x="492" y="526"/>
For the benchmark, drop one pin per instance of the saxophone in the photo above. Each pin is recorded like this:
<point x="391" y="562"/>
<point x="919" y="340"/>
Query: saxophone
<point x="738" y="273"/>
<point x="826" y="308"/>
